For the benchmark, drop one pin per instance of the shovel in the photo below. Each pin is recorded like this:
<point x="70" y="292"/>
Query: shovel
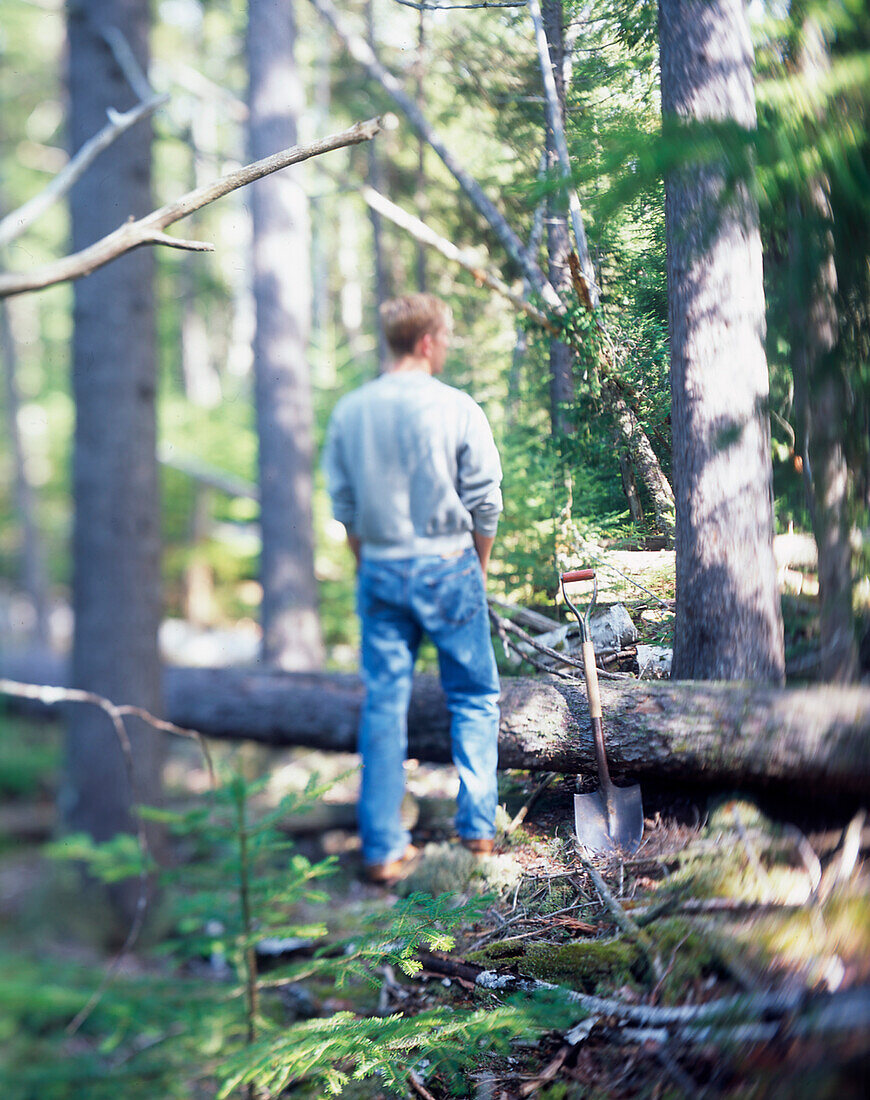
<point x="610" y="821"/>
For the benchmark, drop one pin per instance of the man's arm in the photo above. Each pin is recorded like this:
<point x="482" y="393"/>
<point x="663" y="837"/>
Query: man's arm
<point x="483" y="546"/>
<point x="478" y="480"/>
<point x="353" y="542"/>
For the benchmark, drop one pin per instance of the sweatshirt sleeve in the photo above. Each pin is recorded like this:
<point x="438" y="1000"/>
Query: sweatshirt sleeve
<point x="479" y="473"/>
<point x="338" y="481"/>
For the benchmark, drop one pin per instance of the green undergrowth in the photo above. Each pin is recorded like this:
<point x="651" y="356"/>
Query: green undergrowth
<point x="205" y="1015"/>
<point x="30" y="753"/>
<point x="346" y="1010"/>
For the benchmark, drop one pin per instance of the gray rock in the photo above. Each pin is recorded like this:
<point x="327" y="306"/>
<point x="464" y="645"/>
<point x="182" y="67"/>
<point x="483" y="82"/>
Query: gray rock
<point x="612" y="629"/>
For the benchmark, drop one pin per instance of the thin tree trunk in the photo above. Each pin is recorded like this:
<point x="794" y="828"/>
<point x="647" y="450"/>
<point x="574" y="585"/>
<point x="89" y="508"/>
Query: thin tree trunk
<point x="116" y="537"/>
<point x="33" y="574"/>
<point x="821" y="390"/>
<point x="643" y="459"/>
<point x="558" y="237"/>
<point x="362" y="52"/>
<point x="728" y="619"/>
<point x="320" y="259"/>
<point x="420" y="203"/>
<point x="629" y="485"/>
<point x="373" y="179"/>
<point x="281" y="259"/>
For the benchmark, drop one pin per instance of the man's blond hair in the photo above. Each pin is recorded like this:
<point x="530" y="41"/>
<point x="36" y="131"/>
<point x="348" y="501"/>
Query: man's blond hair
<point x="406" y="319"/>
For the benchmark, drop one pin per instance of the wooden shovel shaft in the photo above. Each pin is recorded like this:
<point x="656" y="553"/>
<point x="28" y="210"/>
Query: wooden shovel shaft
<point x="594" y="697"/>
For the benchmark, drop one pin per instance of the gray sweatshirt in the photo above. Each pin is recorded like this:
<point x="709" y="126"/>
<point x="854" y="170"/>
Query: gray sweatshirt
<point x="411" y="467"/>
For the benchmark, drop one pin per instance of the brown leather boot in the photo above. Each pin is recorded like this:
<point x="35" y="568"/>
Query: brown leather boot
<point x="385" y="874"/>
<point x="478" y="845"/>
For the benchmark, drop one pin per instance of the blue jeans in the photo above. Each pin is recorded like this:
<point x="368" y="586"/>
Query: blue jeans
<point x="397" y="601"/>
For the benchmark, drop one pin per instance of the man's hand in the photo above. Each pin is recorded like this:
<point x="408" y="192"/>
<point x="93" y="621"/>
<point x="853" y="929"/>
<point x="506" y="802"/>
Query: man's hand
<point x="483" y="545"/>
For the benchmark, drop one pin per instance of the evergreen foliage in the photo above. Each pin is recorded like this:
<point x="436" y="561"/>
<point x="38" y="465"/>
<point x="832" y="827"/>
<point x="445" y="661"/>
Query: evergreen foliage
<point x="208" y="1013"/>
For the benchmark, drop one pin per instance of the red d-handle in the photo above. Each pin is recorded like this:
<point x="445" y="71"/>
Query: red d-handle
<point x="578" y="575"/>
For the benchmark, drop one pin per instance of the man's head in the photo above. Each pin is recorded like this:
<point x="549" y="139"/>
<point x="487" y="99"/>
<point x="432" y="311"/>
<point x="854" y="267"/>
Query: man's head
<point x="420" y="325"/>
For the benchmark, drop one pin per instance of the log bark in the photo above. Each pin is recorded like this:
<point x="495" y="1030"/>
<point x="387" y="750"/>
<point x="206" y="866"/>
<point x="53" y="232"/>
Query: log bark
<point x="741" y="734"/>
<point x="731" y="733"/>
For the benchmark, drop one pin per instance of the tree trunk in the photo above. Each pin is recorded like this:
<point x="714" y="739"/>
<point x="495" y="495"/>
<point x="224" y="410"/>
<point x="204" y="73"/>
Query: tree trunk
<point x="421" y="204"/>
<point x="728" y="620"/>
<point x="740" y="734"/>
<point x="33" y="575"/>
<point x="281" y="262"/>
<point x="558" y="238"/>
<point x="629" y="485"/>
<point x="649" y="469"/>
<point x="116" y="536"/>
<point x="822" y="392"/>
<point x="373" y="179"/>
<point x="643" y="458"/>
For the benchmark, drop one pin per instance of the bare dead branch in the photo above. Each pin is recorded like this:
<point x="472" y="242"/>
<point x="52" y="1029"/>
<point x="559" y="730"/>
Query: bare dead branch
<point x="512" y="628"/>
<point x="207" y="475"/>
<point x="15" y="223"/>
<point x="135" y="233"/>
<point x="51" y="695"/>
<point x="499" y="625"/>
<point x="177" y="242"/>
<point x="426" y="235"/>
<point x="557" y="125"/>
<point x="364" y="55"/>
<point x="772" y="1004"/>
<point x="127" y="62"/>
<point x="462" y="7"/>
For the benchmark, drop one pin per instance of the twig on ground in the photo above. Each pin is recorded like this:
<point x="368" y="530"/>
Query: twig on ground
<point x="808" y="856"/>
<point x="418" y="1086"/>
<point x="511" y="648"/>
<point x="520" y="816"/>
<point x="628" y="926"/>
<point x="546" y="1075"/>
<point x="711" y="906"/>
<point x="841" y="868"/>
<point x="503" y="624"/>
<point x="748" y="1007"/>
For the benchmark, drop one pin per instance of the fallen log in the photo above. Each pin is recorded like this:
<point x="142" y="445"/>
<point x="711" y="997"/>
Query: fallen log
<point x="738" y="734"/>
<point x="741" y="734"/>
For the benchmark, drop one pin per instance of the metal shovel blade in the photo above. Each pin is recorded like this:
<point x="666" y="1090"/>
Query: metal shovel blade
<point x="609" y="826"/>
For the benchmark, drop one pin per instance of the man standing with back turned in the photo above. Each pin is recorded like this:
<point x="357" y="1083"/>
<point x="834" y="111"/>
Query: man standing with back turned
<point x="414" y="476"/>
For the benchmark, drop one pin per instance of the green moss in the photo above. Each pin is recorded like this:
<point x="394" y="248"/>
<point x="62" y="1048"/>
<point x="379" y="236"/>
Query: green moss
<point x="498" y="953"/>
<point x="450" y="869"/>
<point x="585" y="964"/>
<point x="688" y="954"/>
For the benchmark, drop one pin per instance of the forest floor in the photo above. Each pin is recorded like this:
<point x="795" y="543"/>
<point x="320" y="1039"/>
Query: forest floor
<point x="722" y="900"/>
<point x="727" y="897"/>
